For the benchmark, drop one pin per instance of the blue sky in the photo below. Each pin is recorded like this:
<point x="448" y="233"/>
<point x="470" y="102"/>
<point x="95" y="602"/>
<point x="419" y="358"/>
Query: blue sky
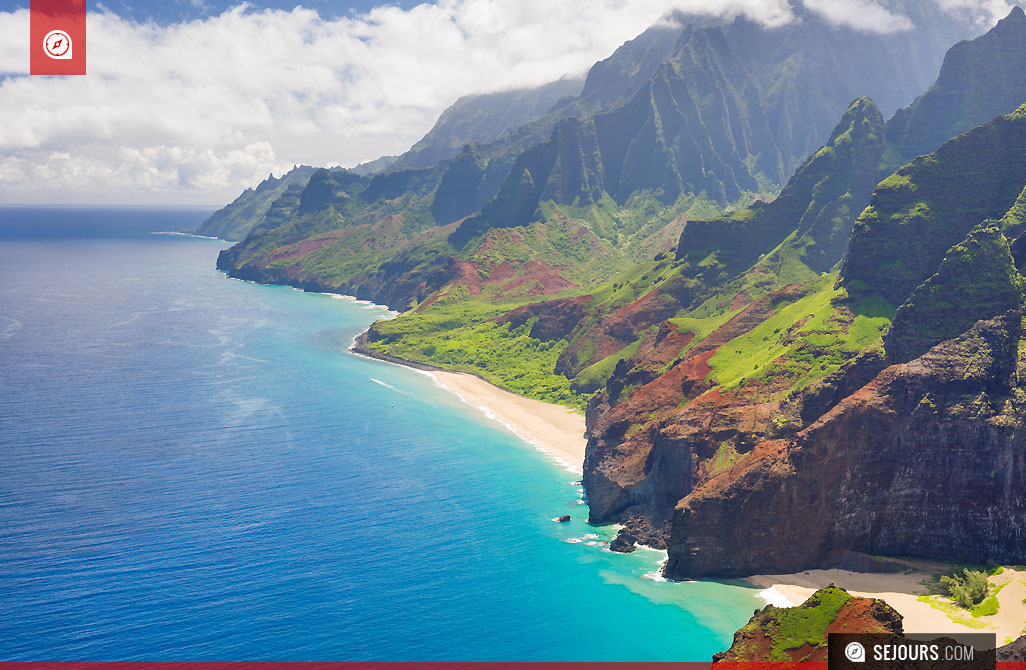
<point x="175" y="11"/>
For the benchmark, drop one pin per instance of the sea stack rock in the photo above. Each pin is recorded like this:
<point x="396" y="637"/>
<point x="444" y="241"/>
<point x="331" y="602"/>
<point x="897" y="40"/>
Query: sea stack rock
<point x="623" y="542"/>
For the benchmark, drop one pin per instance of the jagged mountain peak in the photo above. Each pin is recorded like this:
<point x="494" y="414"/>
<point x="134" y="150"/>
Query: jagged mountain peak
<point x="979" y="80"/>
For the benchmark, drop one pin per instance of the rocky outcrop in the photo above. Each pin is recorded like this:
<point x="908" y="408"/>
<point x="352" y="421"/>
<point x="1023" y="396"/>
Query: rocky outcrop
<point x="928" y="459"/>
<point x="623" y="543"/>
<point x="644" y="441"/>
<point x="776" y="634"/>
<point x="397" y="293"/>
<point x="1014" y="652"/>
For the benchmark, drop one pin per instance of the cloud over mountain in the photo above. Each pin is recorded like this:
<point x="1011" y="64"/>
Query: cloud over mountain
<point x="198" y="110"/>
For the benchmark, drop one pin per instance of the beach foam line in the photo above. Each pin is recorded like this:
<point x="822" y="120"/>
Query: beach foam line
<point x="353" y="352"/>
<point x="385" y="384"/>
<point x="774" y="597"/>
<point x="487" y="412"/>
<point x="552" y="454"/>
<point x="181" y="234"/>
<point x="664" y="557"/>
<point x="363" y="303"/>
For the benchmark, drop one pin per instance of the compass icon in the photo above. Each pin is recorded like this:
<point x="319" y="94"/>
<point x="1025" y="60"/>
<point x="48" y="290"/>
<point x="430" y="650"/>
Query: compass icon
<point x="57" y="44"/>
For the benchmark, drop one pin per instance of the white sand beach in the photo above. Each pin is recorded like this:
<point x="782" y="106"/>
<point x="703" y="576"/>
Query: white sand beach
<point x="902" y="592"/>
<point x="553" y="429"/>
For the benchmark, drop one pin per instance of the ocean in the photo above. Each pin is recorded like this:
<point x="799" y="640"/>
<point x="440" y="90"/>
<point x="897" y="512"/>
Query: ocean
<point x="195" y="469"/>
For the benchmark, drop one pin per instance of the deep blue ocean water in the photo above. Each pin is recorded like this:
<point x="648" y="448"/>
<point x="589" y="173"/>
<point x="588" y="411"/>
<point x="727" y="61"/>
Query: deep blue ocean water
<point x="192" y="468"/>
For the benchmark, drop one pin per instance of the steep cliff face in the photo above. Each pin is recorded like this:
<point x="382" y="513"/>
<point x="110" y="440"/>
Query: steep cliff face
<point x="236" y="220"/>
<point x="731" y="111"/>
<point x="667" y="420"/>
<point x="979" y="80"/>
<point x="976" y="279"/>
<point x="779" y="426"/>
<point x="811" y="218"/>
<point x="931" y="204"/>
<point x="486" y="117"/>
<point x="928" y="459"/>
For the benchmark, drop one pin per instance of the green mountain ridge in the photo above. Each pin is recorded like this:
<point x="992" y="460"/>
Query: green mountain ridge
<point x="719" y="356"/>
<point x="236" y="220"/>
<point x="979" y="80"/>
<point x="485" y="118"/>
<point x="621" y="180"/>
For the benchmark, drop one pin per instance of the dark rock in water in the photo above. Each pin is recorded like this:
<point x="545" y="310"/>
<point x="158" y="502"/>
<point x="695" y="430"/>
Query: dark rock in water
<point x="623" y="542"/>
<point x="564" y="519"/>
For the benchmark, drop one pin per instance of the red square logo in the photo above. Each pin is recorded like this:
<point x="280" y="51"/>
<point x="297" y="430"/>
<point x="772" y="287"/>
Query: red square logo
<point x="57" y="31"/>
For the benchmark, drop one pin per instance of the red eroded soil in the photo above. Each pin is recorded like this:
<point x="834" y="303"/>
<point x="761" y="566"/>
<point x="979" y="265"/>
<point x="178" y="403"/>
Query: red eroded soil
<point x="300" y="249"/>
<point x="547" y="280"/>
<point x="466" y="274"/>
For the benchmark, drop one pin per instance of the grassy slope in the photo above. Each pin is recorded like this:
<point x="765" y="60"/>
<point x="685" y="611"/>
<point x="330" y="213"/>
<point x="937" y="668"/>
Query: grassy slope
<point x="791" y="628"/>
<point x="801" y="341"/>
<point x="460" y="334"/>
<point x="595" y="239"/>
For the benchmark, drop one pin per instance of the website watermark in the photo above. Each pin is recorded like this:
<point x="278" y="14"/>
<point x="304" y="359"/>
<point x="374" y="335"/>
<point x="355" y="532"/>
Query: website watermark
<point x="57" y="37"/>
<point x="884" y="651"/>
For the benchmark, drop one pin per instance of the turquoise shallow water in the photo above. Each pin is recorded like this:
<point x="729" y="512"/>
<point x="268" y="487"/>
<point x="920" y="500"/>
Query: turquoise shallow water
<point x="193" y="469"/>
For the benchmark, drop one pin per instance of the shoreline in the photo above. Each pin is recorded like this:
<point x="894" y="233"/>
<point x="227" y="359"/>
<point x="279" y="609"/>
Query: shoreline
<point x="554" y="430"/>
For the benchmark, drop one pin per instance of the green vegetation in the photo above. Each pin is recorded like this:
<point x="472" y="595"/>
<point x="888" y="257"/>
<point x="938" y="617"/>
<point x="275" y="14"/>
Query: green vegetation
<point x="793" y="627"/>
<point x="701" y="327"/>
<point x="594" y="376"/>
<point x="954" y="612"/>
<point x="461" y="335"/>
<point x="968" y="589"/>
<point x="804" y="231"/>
<point x="800" y="342"/>
<point x="977" y="279"/>
<point x="989" y="606"/>
<point x="236" y="220"/>
<point x="948" y="193"/>
<point x="721" y="461"/>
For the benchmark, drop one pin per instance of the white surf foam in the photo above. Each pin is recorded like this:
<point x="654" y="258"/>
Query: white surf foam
<point x="539" y="446"/>
<point x="774" y="597"/>
<point x="657" y="574"/>
<point x="8" y="327"/>
<point x="180" y="234"/>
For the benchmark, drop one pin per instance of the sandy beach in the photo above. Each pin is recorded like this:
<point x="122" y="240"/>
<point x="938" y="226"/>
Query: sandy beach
<point x="902" y="592"/>
<point x="555" y="430"/>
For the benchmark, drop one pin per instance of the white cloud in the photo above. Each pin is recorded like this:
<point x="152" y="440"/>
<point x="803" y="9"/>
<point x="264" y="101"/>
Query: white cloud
<point x="984" y="12"/>
<point x="205" y="108"/>
<point x="197" y="111"/>
<point x="861" y="15"/>
<point x="766" y="12"/>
